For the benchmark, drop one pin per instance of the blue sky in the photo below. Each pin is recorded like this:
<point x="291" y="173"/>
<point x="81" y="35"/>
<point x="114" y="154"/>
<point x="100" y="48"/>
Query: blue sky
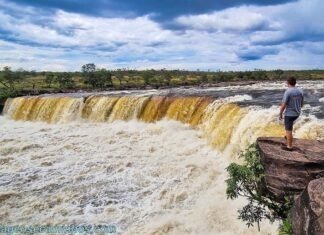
<point x="173" y="34"/>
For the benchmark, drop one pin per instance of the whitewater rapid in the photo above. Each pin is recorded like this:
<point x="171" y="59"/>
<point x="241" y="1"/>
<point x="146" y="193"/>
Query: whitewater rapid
<point x="148" y="162"/>
<point x="160" y="178"/>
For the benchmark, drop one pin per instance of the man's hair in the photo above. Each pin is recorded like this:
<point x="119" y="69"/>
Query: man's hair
<point x="291" y="81"/>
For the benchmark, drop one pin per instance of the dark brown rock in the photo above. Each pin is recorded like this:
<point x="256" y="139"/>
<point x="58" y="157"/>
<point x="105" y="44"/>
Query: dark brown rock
<point x="308" y="210"/>
<point x="289" y="172"/>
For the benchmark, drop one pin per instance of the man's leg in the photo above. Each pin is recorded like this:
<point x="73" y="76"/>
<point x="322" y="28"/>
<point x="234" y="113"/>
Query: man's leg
<point x="289" y="122"/>
<point x="289" y="138"/>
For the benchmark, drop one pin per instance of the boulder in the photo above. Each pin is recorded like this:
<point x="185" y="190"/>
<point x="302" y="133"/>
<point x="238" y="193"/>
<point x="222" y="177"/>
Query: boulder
<point x="289" y="172"/>
<point x="308" y="210"/>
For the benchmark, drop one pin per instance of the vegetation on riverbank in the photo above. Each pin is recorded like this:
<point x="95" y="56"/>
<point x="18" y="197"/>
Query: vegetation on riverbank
<point x="246" y="180"/>
<point x="90" y="77"/>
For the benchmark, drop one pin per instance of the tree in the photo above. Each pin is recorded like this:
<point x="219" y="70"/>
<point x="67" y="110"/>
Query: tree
<point x="279" y="73"/>
<point x="260" y="74"/>
<point x="49" y="79"/>
<point x="101" y="78"/>
<point x="32" y="73"/>
<point x="88" y="68"/>
<point x="246" y="181"/>
<point x="166" y="77"/>
<point x="88" y="73"/>
<point x="249" y="75"/>
<point x="204" y="78"/>
<point x="240" y="75"/>
<point x="215" y="78"/>
<point x="97" y="78"/>
<point x="9" y="78"/>
<point x="119" y="75"/>
<point x="147" y="76"/>
<point x="65" y="80"/>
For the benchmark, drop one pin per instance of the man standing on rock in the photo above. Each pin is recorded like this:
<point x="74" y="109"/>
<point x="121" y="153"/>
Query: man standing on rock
<point x="291" y="104"/>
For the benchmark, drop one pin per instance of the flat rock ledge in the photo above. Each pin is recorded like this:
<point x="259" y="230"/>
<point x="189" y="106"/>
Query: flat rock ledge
<point x="299" y="173"/>
<point x="289" y="172"/>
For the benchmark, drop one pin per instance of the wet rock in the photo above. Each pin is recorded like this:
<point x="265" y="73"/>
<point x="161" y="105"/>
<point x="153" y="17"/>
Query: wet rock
<point x="289" y="172"/>
<point x="308" y="210"/>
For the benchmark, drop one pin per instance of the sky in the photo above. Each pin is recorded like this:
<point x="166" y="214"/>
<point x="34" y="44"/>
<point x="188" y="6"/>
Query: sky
<point x="212" y="35"/>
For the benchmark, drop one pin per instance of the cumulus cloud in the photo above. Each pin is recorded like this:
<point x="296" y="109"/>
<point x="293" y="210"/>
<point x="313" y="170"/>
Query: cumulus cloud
<point x="237" y="20"/>
<point x="70" y="29"/>
<point x="244" y="36"/>
<point x="300" y="21"/>
<point x="113" y="42"/>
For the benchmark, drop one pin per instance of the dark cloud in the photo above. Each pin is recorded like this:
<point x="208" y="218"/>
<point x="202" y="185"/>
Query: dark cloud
<point x="161" y="11"/>
<point x="250" y="57"/>
<point x="289" y="37"/>
<point x="201" y="34"/>
<point x="256" y="53"/>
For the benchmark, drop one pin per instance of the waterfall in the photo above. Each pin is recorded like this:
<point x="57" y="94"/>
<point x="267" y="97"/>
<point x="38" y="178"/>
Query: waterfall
<point x="225" y="125"/>
<point x="47" y="109"/>
<point x="147" y="163"/>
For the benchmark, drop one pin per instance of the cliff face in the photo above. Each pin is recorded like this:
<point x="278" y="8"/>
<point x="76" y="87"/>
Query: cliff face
<point x="308" y="210"/>
<point x="288" y="173"/>
<point x="299" y="173"/>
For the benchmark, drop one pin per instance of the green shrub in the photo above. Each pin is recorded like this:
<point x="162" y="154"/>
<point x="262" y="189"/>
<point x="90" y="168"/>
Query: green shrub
<point x="286" y="227"/>
<point x="246" y="181"/>
<point x="4" y="94"/>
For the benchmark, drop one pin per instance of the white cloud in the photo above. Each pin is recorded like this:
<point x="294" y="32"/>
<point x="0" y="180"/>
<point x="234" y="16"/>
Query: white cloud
<point x="102" y="40"/>
<point x="299" y="21"/>
<point x="220" y="40"/>
<point x="88" y="30"/>
<point x="238" y="19"/>
<point x="84" y="30"/>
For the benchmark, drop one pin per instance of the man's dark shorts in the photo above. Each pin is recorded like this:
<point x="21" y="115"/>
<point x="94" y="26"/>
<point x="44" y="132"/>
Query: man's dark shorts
<point x="289" y="122"/>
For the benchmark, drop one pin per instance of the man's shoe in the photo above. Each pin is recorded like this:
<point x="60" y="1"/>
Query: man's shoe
<point x="287" y="148"/>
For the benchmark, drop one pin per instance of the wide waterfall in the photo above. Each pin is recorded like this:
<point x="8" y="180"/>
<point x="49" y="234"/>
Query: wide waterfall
<point x="221" y="120"/>
<point x="149" y="162"/>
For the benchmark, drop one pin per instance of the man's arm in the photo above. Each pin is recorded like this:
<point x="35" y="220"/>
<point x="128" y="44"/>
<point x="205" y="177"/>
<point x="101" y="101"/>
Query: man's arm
<point x="283" y="104"/>
<point x="282" y="109"/>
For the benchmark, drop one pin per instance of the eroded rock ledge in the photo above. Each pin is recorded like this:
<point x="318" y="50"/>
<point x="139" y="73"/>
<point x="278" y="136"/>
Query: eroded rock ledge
<point x="308" y="210"/>
<point x="299" y="173"/>
<point x="288" y="173"/>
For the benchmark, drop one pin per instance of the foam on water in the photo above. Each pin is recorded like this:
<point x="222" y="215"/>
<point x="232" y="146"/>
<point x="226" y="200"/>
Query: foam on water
<point x="147" y="164"/>
<point x="145" y="178"/>
<point x="272" y="86"/>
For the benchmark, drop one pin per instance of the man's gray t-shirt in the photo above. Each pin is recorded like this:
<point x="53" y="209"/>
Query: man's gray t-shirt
<point x="293" y="98"/>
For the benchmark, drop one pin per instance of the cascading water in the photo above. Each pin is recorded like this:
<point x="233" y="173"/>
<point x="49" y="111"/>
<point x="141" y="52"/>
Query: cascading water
<point x="219" y="119"/>
<point x="147" y="163"/>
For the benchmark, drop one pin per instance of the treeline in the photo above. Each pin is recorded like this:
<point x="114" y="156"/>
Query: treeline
<point x="92" y="77"/>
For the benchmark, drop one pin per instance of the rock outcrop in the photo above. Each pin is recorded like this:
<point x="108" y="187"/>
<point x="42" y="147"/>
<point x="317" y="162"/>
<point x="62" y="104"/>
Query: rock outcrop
<point x="308" y="210"/>
<point x="289" y="172"/>
<point x="2" y="103"/>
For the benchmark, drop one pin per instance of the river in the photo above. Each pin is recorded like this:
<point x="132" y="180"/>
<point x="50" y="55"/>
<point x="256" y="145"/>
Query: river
<point x="148" y="162"/>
